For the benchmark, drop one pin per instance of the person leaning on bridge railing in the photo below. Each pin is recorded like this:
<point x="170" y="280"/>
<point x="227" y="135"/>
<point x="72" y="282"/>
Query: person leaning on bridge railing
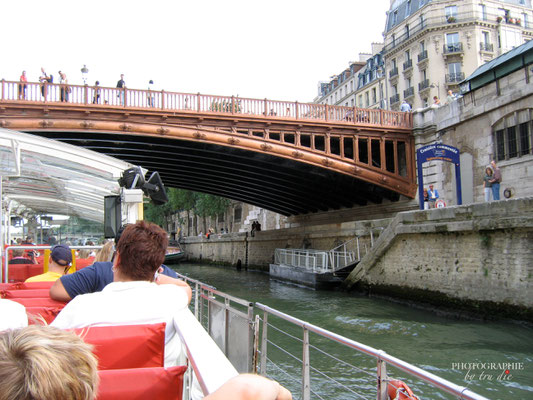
<point x="23" y="86"/>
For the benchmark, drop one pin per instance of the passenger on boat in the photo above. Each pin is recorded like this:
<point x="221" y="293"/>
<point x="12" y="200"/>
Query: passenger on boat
<point x="133" y="297"/>
<point x="41" y="362"/>
<point x="18" y="257"/>
<point x="13" y="315"/>
<point x="58" y="264"/>
<point x="105" y="253"/>
<point x="250" y="387"/>
<point x="98" y="275"/>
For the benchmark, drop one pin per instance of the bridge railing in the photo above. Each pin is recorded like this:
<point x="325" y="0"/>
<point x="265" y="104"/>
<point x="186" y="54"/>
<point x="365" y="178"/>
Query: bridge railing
<point x="173" y="101"/>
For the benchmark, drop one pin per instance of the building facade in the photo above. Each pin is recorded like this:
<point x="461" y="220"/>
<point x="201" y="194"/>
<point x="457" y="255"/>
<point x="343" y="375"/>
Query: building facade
<point x="492" y="121"/>
<point x="340" y="90"/>
<point x="371" y="89"/>
<point x="431" y="45"/>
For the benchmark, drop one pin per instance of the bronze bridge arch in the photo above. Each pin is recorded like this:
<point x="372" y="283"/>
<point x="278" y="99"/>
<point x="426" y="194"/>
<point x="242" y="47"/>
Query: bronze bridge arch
<point x="291" y="158"/>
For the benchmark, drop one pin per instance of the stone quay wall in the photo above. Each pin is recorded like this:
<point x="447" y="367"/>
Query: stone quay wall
<point x="257" y="252"/>
<point x="479" y="256"/>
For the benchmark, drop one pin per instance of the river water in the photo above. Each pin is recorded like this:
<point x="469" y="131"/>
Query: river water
<point x="435" y="343"/>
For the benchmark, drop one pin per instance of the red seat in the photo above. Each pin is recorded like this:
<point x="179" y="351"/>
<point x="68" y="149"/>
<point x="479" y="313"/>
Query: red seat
<point x="38" y="301"/>
<point x="24" y="293"/>
<point x="127" y="346"/>
<point x="26" y="285"/>
<point x="47" y="313"/>
<point x="21" y="272"/>
<point x="141" y="383"/>
<point x="84" y="262"/>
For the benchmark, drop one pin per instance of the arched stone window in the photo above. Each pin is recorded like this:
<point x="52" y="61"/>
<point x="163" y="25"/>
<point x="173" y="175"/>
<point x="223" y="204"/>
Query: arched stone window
<point x="513" y="135"/>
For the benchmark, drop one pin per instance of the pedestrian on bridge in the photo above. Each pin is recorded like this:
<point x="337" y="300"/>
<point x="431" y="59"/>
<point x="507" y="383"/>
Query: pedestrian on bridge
<point x="122" y="86"/>
<point x="23" y="86"/>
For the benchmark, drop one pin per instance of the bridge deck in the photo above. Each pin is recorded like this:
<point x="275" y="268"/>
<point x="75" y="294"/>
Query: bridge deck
<point x="289" y="157"/>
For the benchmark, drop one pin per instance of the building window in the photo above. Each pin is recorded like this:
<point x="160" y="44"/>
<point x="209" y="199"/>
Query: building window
<point x="406" y="31"/>
<point x="422" y="23"/>
<point x="374" y="97"/>
<point x="237" y="214"/>
<point x="483" y="11"/>
<point x="513" y="136"/>
<point x="408" y="8"/>
<point x="526" y="20"/>
<point x="367" y="100"/>
<point x="452" y="42"/>
<point x="451" y="11"/>
<point x="454" y="73"/>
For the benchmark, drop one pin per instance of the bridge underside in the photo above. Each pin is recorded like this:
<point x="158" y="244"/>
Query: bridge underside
<point x="285" y="186"/>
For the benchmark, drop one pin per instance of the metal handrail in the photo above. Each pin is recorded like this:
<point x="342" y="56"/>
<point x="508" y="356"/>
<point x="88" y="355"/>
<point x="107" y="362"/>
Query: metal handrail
<point x="98" y="96"/>
<point x="381" y="356"/>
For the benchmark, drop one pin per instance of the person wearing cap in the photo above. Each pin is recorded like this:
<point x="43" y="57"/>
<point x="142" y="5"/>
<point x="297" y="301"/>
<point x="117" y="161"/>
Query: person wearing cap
<point x="58" y="264"/>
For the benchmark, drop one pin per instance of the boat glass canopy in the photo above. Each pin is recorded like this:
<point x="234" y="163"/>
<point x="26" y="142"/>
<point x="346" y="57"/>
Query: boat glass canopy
<point x="43" y="176"/>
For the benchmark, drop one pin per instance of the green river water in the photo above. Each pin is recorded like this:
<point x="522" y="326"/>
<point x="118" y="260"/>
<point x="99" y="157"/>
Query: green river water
<point x="432" y="342"/>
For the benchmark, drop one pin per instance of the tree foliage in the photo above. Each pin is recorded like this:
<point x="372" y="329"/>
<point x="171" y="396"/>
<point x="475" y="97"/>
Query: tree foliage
<point x="201" y="204"/>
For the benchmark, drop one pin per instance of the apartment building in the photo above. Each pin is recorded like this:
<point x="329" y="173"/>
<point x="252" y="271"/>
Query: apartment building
<point x="431" y="45"/>
<point x="340" y="90"/>
<point x="371" y="89"/>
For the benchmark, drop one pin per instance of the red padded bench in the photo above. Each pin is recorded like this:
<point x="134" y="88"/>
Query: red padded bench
<point x="26" y="285"/>
<point x="38" y="301"/>
<point x="126" y="346"/>
<point x="48" y="313"/>
<point x="141" y="383"/>
<point x="24" y="293"/>
<point x="21" y="272"/>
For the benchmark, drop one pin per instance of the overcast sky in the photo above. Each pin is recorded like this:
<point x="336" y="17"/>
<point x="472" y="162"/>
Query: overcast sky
<point x="261" y="49"/>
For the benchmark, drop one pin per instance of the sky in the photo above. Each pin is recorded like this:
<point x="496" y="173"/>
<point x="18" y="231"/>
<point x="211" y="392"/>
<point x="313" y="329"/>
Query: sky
<point x="272" y="49"/>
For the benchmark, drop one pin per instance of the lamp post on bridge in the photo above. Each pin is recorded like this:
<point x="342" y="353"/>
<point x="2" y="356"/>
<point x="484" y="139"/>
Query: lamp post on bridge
<point x="84" y="72"/>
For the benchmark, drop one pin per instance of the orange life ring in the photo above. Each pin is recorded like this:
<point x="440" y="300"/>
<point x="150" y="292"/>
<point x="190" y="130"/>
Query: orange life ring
<point x="397" y="390"/>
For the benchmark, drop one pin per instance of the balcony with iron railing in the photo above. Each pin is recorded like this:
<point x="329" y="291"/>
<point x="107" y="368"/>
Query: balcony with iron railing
<point x="408" y="64"/>
<point x="395" y="98"/>
<point x="393" y="72"/>
<point x="452" y="48"/>
<point x="455" y="78"/>
<point x="410" y="91"/>
<point x="423" y="85"/>
<point x="487" y="47"/>
<point x="423" y="55"/>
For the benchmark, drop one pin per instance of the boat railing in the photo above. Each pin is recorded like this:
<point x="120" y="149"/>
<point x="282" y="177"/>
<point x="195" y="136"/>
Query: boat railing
<point x="313" y="260"/>
<point x="373" y="380"/>
<point x="279" y="359"/>
<point x="4" y="261"/>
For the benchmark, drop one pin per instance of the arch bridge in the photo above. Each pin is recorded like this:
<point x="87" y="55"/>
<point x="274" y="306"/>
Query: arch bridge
<point x="289" y="157"/>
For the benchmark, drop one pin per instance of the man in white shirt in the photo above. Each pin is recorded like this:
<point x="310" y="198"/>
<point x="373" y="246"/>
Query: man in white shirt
<point x="133" y="297"/>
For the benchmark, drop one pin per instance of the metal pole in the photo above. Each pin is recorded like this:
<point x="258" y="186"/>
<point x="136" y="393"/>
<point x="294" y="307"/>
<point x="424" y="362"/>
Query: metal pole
<point x="264" y="344"/>
<point x="2" y="228"/>
<point x="306" y="381"/>
<point x="196" y="300"/>
<point x="382" y="380"/>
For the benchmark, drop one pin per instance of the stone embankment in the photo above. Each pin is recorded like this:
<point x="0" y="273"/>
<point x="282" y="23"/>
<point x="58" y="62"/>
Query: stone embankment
<point x="477" y="257"/>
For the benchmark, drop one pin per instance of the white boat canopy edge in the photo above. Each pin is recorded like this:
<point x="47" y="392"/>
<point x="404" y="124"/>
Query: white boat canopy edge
<point x="45" y="176"/>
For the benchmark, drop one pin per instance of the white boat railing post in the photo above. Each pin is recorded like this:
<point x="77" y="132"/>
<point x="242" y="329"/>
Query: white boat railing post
<point x="306" y="380"/>
<point x="196" y="300"/>
<point x="264" y="343"/>
<point x="358" y="249"/>
<point x="382" y="380"/>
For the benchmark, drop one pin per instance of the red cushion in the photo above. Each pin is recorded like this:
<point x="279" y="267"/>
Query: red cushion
<point x="48" y="313"/>
<point x="38" y="302"/>
<point x="21" y="272"/>
<point x="84" y="262"/>
<point x="26" y="285"/>
<point x="141" y="383"/>
<point x="24" y="293"/>
<point x="127" y="346"/>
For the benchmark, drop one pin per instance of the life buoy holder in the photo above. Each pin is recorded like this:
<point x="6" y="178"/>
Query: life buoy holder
<point x="398" y="390"/>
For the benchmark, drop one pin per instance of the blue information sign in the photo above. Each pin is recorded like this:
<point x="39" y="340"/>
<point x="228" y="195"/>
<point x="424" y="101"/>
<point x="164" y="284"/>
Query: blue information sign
<point x="441" y="152"/>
